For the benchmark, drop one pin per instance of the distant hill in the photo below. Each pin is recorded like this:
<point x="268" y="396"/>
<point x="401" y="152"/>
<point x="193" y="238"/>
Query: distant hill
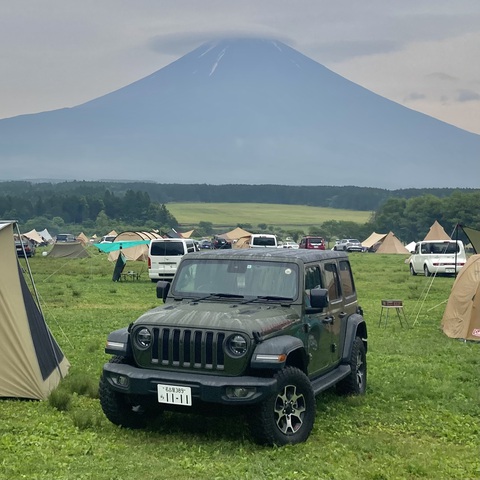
<point x="242" y="111"/>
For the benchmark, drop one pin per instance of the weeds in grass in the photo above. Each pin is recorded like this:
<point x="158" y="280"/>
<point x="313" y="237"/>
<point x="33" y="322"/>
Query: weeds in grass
<point x="60" y="398"/>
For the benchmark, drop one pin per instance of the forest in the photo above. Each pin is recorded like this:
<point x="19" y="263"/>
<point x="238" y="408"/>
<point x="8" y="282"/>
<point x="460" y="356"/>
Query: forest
<point x="96" y="206"/>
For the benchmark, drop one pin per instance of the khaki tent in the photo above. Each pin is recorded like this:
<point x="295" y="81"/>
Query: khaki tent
<point x="235" y="234"/>
<point x="436" y="232"/>
<point x="373" y="239"/>
<point x="187" y="234"/>
<point x="82" y="238"/>
<point x="139" y="252"/>
<point x="31" y="362"/>
<point x="238" y="237"/>
<point x="34" y="236"/>
<point x="68" y="250"/>
<point x="391" y="244"/>
<point x="462" y="314"/>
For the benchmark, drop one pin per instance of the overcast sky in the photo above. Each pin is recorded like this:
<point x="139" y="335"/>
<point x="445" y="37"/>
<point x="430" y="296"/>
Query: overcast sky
<point x="423" y="54"/>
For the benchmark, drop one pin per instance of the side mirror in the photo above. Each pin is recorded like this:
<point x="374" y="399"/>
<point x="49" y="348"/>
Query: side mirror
<point x="163" y="288"/>
<point x="319" y="298"/>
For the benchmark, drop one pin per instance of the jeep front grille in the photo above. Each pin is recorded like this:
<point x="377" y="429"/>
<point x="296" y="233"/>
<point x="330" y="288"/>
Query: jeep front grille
<point x="187" y="348"/>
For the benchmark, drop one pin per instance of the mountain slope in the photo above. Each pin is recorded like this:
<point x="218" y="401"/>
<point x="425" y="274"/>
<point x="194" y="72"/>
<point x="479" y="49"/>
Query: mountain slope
<point x="242" y="111"/>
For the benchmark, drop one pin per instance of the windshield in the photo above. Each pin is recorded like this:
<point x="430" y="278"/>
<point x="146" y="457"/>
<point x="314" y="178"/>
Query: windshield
<point x="239" y="278"/>
<point x="440" y="247"/>
<point x="171" y="249"/>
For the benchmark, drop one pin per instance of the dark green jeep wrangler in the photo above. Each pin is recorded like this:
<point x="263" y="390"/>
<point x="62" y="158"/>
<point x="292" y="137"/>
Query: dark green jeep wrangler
<point x="265" y="330"/>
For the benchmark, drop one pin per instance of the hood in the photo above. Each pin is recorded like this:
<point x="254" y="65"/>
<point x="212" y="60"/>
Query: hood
<point x="258" y="317"/>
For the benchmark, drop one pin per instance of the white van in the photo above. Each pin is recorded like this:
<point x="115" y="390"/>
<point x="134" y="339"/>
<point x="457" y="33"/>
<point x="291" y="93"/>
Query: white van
<point x="438" y="256"/>
<point x="164" y="255"/>
<point x="263" y="240"/>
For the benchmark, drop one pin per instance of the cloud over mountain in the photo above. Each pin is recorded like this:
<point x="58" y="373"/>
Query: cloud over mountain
<point x="250" y="111"/>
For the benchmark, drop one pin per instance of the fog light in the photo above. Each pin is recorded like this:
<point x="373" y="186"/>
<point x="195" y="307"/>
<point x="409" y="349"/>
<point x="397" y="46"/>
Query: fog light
<point x="240" y="392"/>
<point x="121" y="381"/>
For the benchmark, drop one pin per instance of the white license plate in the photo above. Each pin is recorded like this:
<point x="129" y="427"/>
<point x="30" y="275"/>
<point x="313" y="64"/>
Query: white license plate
<point x="174" y="395"/>
<point x="449" y="270"/>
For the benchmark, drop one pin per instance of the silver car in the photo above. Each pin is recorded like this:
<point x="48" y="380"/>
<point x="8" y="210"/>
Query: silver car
<point x="349" y="245"/>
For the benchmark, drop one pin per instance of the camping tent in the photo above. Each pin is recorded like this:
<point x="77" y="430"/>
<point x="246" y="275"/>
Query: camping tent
<point x="45" y="234"/>
<point x="82" y="238"/>
<point x="462" y="314"/>
<point x="139" y="252"/>
<point x="34" y="236"/>
<point x="31" y="362"/>
<point x="373" y="239"/>
<point x="238" y="237"/>
<point x="436" y="232"/>
<point x="68" y="250"/>
<point x="391" y="244"/>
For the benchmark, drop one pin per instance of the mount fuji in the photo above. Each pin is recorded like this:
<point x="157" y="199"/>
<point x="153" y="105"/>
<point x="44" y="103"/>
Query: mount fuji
<point x="242" y="111"/>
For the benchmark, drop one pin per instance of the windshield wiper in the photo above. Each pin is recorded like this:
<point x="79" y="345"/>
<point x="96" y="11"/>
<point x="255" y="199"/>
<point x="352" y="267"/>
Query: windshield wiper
<point x="266" y="297"/>
<point x="217" y="295"/>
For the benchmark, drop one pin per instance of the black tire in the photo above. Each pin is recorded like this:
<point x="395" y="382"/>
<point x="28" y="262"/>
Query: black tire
<point x="412" y="270"/>
<point x="356" y="382"/>
<point x="287" y="417"/>
<point x="426" y="271"/>
<point x="119" y="408"/>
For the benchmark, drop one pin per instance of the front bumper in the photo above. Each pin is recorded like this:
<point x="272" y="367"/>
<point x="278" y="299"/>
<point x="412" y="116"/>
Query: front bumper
<point x="205" y="388"/>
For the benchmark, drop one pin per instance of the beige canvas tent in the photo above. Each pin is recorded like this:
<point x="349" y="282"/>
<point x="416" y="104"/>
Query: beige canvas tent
<point x="436" y="232"/>
<point x="68" y="250"/>
<point x="373" y="239"/>
<point x="391" y="244"/>
<point x="82" y="238"/>
<point x="31" y="362"/>
<point x="34" y="236"/>
<point x="238" y="237"/>
<point x="462" y="314"/>
<point x="139" y="252"/>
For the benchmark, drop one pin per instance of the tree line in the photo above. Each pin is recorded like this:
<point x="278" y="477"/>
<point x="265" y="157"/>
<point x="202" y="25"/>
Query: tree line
<point x="345" y="197"/>
<point x="88" y="210"/>
<point x="101" y="206"/>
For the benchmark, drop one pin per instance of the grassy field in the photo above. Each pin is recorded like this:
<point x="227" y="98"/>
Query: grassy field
<point x="283" y="216"/>
<point x="420" y="418"/>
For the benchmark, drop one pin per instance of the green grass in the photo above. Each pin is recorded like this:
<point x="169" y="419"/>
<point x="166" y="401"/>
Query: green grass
<point x="420" y="418"/>
<point x="284" y="216"/>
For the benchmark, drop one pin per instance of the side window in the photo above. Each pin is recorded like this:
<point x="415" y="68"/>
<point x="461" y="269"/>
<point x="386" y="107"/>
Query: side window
<point x="425" y="248"/>
<point x="332" y="283"/>
<point x="190" y="247"/>
<point x="346" y="278"/>
<point x="312" y="277"/>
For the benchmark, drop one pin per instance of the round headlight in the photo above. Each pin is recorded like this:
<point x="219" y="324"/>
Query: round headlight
<point x="143" y="338"/>
<point x="237" y="345"/>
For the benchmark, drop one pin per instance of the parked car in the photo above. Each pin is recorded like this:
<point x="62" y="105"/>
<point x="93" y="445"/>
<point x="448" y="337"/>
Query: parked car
<point x="108" y="238"/>
<point x="205" y="244"/>
<point x="349" y="245"/>
<point x="311" y="242"/>
<point x="28" y="249"/>
<point x="293" y="245"/>
<point x="219" y="242"/>
<point x="438" y="257"/>
<point x="263" y="240"/>
<point x="260" y="329"/>
<point x="65" y="237"/>
<point x="164" y="255"/>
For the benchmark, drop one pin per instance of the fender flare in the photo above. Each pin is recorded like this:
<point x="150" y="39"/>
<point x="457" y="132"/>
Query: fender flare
<point x="118" y="343"/>
<point x="273" y="353"/>
<point x="356" y="327"/>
